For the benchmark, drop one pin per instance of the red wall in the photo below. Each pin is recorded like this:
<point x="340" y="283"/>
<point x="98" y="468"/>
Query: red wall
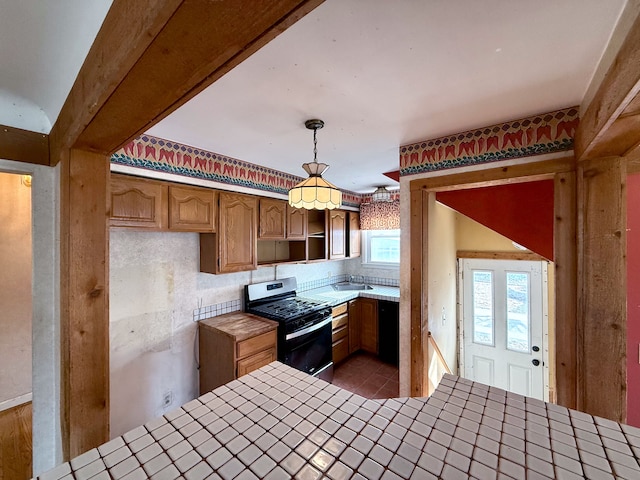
<point x="522" y="212"/>
<point x="633" y="299"/>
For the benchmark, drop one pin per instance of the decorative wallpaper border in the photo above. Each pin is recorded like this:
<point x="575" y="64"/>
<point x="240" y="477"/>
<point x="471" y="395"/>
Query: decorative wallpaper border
<point x="157" y="154"/>
<point x="545" y="133"/>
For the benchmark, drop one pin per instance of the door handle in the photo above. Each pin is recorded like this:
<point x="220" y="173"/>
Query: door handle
<point x="535" y="361"/>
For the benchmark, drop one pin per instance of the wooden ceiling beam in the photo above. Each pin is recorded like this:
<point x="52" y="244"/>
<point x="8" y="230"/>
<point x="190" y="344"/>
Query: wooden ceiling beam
<point x="609" y="126"/>
<point x="24" y="145"/>
<point x="126" y="33"/>
<point x="131" y="80"/>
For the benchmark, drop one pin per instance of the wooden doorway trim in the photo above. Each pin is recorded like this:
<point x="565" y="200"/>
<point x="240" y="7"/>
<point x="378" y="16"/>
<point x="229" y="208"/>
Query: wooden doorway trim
<point x="562" y="172"/>
<point x="135" y="74"/>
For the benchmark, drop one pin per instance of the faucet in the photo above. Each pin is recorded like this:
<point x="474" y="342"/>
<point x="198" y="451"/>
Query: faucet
<point x="356" y="279"/>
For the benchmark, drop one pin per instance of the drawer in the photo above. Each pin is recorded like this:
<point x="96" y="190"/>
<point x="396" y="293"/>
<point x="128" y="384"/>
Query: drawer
<point x="340" y="321"/>
<point x="254" y="362"/>
<point x="256" y="344"/>
<point x="340" y="350"/>
<point x="339" y="310"/>
<point x="339" y="333"/>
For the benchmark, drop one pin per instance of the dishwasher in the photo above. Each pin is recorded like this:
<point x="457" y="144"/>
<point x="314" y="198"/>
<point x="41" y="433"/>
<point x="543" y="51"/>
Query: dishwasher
<point x="388" y="332"/>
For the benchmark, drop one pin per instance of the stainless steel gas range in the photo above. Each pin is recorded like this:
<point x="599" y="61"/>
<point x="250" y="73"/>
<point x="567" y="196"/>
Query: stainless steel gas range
<point x="304" y="326"/>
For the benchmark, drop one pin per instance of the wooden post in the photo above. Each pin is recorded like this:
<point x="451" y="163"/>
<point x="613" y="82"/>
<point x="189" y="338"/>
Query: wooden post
<point x="602" y="289"/>
<point x="84" y="296"/>
<point x="418" y="282"/>
<point x="564" y="232"/>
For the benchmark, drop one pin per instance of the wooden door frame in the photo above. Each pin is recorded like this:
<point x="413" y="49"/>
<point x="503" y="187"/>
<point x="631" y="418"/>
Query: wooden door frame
<point x="562" y="172"/>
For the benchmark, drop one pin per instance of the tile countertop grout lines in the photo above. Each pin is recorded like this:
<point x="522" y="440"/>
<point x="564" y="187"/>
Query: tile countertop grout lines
<point x="279" y="423"/>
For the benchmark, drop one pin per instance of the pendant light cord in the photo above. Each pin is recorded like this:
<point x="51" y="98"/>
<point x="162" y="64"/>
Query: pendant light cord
<point x="315" y="146"/>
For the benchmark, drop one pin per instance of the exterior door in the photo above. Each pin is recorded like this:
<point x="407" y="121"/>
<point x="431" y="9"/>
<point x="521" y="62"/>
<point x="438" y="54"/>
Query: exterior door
<point x="504" y="310"/>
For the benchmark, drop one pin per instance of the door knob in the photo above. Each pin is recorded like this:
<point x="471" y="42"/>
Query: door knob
<point x="535" y="348"/>
<point x="535" y="361"/>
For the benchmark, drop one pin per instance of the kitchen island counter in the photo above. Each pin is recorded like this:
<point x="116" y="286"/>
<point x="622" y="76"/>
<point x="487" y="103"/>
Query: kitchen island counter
<point x="278" y="423"/>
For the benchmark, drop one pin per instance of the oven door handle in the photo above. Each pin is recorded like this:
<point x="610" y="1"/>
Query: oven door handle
<point x="310" y="329"/>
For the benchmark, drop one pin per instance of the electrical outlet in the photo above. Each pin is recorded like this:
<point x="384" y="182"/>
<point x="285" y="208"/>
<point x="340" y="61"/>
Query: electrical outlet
<point x="167" y="399"/>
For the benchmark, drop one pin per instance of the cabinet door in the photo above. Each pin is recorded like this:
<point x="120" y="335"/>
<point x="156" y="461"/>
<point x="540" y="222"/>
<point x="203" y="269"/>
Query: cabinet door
<point x="296" y="223"/>
<point x="254" y="362"/>
<point x="369" y="324"/>
<point x="192" y="209"/>
<point x="354" y="234"/>
<point x="237" y="235"/>
<point x="337" y="227"/>
<point x="354" y="326"/>
<point x="137" y="203"/>
<point x="273" y="215"/>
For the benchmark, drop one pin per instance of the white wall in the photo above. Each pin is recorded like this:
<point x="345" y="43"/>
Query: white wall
<point x="15" y="288"/>
<point x="45" y="336"/>
<point x="155" y="286"/>
<point x="442" y="278"/>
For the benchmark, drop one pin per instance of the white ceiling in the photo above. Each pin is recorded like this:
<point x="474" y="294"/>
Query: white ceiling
<point x="380" y="74"/>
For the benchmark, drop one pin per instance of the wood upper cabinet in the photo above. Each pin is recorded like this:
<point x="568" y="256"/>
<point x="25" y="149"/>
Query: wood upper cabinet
<point x="368" y="310"/>
<point x="354" y="234"/>
<point x="273" y="219"/>
<point x="192" y="209"/>
<point x="337" y="229"/>
<point x="138" y="203"/>
<point x="237" y="236"/>
<point x="296" y="223"/>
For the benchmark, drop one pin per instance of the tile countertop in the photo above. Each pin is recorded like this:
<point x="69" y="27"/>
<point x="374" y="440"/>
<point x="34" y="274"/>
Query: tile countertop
<point x="278" y="423"/>
<point x="336" y="297"/>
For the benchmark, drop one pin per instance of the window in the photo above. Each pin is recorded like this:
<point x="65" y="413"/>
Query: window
<point x="381" y="247"/>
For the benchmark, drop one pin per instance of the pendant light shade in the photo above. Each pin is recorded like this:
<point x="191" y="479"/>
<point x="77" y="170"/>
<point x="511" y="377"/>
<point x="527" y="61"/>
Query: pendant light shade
<point x="381" y="195"/>
<point x="315" y="193"/>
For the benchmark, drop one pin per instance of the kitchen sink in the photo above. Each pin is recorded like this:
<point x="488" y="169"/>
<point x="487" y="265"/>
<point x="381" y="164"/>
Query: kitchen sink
<point x="351" y="286"/>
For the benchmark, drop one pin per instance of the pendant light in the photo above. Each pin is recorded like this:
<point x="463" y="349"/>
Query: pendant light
<point x="381" y="195"/>
<point x="315" y="193"/>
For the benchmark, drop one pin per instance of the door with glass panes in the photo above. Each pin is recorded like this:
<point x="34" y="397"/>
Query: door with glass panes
<point x="503" y="309"/>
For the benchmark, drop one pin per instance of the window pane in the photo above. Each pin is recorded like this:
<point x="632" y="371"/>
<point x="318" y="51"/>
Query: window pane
<point x="518" y="311"/>
<point x="483" y="307"/>
<point x="385" y="249"/>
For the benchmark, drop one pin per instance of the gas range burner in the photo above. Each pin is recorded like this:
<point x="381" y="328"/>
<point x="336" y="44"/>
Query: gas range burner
<point x="288" y="308"/>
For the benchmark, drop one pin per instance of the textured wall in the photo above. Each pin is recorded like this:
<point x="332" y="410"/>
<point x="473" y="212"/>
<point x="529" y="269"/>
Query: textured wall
<point x="15" y="287"/>
<point x="155" y="286"/>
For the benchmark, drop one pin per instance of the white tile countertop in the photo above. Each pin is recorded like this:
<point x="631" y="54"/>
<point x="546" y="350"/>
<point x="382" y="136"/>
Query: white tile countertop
<point x="336" y="297"/>
<point x="279" y="423"/>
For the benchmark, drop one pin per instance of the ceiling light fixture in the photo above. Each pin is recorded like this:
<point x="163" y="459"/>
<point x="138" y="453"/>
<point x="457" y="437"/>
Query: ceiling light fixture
<point x="315" y="193"/>
<point x="381" y="195"/>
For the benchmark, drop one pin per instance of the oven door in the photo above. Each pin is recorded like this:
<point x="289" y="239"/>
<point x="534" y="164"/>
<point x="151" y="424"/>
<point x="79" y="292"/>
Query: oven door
<point x="309" y="349"/>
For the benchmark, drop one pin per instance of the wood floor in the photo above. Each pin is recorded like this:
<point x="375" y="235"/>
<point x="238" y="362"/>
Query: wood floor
<point x="15" y="443"/>
<point x="366" y="375"/>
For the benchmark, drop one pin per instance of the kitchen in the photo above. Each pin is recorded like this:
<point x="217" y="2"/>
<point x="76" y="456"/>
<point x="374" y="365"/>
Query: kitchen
<point x="158" y="293"/>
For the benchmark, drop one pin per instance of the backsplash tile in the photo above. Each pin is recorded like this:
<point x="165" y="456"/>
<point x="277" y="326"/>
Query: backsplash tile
<point x="217" y="309"/>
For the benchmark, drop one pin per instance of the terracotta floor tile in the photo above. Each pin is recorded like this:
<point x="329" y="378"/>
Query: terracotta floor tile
<point x="366" y="375"/>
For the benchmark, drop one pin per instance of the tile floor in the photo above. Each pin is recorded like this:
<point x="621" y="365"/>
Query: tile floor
<point x="367" y="376"/>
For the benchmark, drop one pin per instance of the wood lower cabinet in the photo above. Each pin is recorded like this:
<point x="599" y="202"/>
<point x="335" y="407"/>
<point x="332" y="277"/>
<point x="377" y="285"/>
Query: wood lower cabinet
<point x="363" y="325"/>
<point x="233" y="345"/>
<point x="340" y="333"/>
<point x="192" y="209"/>
<point x="137" y="203"/>
<point x="354" y="326"/>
